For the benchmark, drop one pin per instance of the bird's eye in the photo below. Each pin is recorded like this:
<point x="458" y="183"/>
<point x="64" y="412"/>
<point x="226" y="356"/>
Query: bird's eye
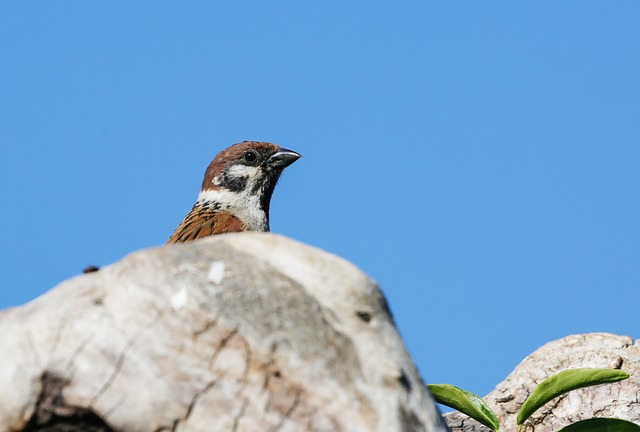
<point x="250" y="156"/>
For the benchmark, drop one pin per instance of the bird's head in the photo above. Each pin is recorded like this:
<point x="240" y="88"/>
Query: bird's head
<point x="241" y="180"/>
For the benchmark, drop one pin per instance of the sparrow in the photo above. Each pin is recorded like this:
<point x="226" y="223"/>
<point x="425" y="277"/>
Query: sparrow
<point x="236" y="191"/>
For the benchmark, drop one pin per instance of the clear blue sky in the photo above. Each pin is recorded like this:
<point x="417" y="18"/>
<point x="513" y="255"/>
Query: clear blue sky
<point x="480" y="160"/>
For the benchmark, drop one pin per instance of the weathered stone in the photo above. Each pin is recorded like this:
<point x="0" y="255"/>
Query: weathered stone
<point x="246" y="332"/>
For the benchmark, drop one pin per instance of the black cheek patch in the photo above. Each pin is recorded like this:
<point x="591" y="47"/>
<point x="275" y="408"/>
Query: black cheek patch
<point x="234" y="184"/>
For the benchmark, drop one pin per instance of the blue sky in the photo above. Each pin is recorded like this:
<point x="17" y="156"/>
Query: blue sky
<point x="480" y="160"/>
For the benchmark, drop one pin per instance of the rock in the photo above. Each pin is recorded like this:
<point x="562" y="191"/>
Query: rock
<point x="594" y="350"/>
<point x="243" y="332"/>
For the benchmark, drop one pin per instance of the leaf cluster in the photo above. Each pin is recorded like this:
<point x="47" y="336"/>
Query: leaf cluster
<point x="472" y="405"/>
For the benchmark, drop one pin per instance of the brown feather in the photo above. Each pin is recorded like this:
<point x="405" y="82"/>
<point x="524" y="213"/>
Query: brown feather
<point x="202" y="221"/>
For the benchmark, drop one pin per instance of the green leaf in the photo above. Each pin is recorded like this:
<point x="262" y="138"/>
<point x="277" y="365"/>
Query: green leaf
<point x="465" y="402"/>
<point x="564" y="382"/>
<point x="602" y="425"/>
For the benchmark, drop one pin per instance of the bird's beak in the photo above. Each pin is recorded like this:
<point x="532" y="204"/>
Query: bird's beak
<point x="283" y="158"/>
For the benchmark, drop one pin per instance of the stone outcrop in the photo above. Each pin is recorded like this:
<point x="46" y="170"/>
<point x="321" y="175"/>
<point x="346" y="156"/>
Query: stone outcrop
<point x="242" y="332"/>
<point x="253" y="332"/>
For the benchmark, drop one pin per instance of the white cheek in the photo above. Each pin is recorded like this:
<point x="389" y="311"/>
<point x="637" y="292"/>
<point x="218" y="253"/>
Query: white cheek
<point x="238" y="171"/>
<point x="242" y="171"/>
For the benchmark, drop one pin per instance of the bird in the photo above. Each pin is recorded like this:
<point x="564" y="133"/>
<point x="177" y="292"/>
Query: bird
<point x="236" y="191"/>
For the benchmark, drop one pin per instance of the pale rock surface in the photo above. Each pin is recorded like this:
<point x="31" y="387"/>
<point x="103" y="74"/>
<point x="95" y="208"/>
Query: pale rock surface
<point x="242" y="332"/>
<point x="593" y="350"/>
